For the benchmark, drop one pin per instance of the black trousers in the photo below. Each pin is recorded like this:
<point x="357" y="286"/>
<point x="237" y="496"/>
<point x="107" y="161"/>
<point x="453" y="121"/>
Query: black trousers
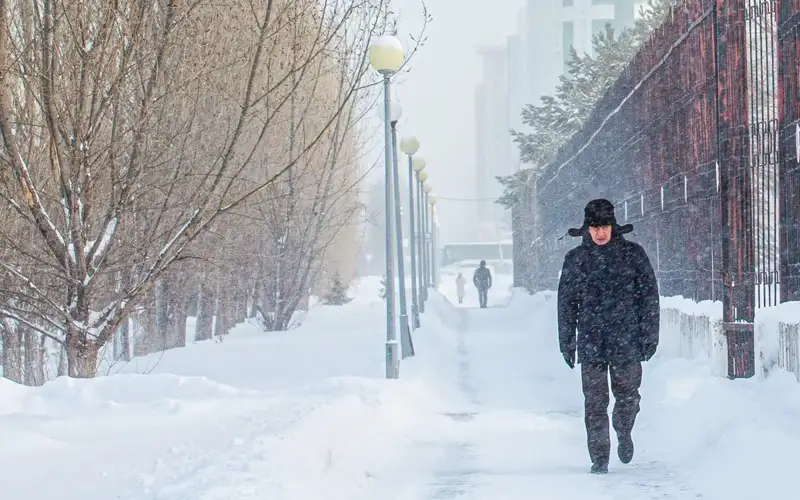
<point x="625" y="382"/>
<point x="483" y="296"/>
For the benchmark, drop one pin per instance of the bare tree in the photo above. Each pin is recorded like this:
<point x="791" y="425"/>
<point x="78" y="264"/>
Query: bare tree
<point x="132" y="128"/>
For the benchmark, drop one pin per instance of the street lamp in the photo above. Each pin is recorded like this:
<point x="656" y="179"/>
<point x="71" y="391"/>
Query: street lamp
<point x="406" y="344"/>
<point x="427" y="188"/>
<point x="418" y="164"/>
<point x="432" y="199"/>
<point x="386" y="55"/>
<point x="423" y="234"/>
<point x="410" y="146"/>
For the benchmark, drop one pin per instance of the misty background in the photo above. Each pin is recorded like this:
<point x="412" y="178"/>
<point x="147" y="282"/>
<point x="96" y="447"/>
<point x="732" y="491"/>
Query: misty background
<point x="465" y="89"/>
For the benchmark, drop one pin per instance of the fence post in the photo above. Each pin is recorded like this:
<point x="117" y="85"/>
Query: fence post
<point x="788" y="13"/>
<point x="738" y="265"/>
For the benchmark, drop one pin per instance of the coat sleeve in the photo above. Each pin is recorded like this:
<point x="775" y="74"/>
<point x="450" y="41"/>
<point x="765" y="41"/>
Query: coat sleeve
<point x="568" y="304"/>
<point x="649" y="307"/>
<point x="489" y="274"/>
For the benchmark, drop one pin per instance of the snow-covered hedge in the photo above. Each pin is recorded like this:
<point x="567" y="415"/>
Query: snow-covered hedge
<point x="692" y="330"/>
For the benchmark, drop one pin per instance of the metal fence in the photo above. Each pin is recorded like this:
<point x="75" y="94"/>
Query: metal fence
<point x="789" y="154"/>
<point x="697" y="144"/>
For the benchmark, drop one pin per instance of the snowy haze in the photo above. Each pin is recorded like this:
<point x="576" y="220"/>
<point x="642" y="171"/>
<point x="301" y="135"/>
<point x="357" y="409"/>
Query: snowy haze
<point x="438" y="94"/>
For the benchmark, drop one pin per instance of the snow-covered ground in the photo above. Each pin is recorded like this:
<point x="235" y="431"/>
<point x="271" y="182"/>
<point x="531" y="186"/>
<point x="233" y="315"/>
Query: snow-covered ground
<point x="487" y="409"/>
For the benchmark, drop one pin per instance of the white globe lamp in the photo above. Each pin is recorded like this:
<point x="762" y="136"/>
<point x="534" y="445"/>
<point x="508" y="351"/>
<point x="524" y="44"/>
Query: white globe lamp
<point x="386" y="54"/>
<point x="409" y="146"/>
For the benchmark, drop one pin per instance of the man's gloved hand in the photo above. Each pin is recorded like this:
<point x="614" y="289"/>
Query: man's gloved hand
<point x="649" y="349"/>
<point x="569" y="357"/>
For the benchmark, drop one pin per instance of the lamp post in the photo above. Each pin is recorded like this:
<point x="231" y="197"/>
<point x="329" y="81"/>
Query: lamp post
<point x="419" y="166"/>
<point x="410" y="146"/>
<point x="427" y="188"/>
<point x="434" y="239"/>
<point x="422" y="178"/>
<point x="406" y="345"/>
<point x="386" y="56"/>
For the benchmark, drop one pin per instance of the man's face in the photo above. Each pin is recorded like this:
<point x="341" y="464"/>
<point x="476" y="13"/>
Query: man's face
<point x="600" y="234"/>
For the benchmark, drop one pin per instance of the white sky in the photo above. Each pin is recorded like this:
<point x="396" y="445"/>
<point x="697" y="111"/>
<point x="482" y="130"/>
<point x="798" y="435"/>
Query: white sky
<point x="437" y="96"/>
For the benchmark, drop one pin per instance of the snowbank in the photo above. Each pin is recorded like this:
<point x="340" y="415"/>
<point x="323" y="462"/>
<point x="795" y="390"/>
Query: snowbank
<point x="693" y="330"/>
<point x="731" y="439"/>
<point x="777" y="338"/>
<point x="698" y="435"/>
<point x="281" y="415"/>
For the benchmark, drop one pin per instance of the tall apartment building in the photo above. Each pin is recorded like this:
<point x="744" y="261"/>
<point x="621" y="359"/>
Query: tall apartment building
<point x="522" y="72"/>
<point x="492" y="154"/>
<point x="551" y="30"/>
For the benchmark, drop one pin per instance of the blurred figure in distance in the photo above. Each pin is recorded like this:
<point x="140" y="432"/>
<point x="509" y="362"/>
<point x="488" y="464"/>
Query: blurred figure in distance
<point x="482" y="279"/>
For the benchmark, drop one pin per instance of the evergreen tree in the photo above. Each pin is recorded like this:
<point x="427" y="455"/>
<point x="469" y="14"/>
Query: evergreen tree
<point x="337" y="295"/>
<point x="553" y="122"/>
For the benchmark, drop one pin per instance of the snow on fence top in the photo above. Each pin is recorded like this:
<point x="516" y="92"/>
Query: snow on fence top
<point x="710" y="308"/>
<point x="787" y="313"/>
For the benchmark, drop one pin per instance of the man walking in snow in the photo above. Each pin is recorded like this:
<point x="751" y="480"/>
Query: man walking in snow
<point x="482" y="279"/>
<point x="608" y="295"/>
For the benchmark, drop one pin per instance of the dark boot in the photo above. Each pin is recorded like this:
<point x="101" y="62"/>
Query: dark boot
<point x="625" y="447"/>
<point x="600" y="467"/>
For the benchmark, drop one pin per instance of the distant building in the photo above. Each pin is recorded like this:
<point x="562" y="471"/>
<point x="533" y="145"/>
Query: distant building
<point x="550" y="32"/>
<point x="492" y="153"/>
<point x="523" y="71"/>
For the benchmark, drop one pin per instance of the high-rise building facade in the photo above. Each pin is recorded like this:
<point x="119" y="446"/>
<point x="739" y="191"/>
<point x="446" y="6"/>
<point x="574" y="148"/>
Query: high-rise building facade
<point x="554" y="26"/>
<point x="523" y="71"/>
<point x="492" y="154"/>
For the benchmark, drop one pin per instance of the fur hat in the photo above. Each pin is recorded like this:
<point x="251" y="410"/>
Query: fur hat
<point x="599" y="212"/>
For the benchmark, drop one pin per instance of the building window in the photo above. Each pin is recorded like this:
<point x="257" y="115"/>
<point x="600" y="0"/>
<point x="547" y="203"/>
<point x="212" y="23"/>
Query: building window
<point x="567" y="41"/>
<point x="566" y="3"/>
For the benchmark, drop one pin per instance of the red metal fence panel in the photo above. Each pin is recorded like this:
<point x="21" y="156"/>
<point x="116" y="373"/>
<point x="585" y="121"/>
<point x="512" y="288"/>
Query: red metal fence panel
<point x="697" y="144"/>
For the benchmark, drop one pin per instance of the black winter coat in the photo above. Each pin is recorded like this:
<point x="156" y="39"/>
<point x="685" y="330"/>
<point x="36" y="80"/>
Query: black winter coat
<point x="482" y="278"/>
<point x="609" y="295"/>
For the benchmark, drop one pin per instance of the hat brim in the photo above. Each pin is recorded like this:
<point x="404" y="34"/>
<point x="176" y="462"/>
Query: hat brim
<point x="580" y="231"/>
<point x="602" y="222"/>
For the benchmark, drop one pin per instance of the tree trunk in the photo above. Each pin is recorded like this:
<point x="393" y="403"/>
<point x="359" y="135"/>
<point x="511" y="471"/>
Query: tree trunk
<point x="145" y="332"/>
<point x="255" y="299"/>
<point x="162" y="315"/>
<point x="41" y="361"/>
<point x="240" y="304"/>
<point x="205" y="311"/>
<point x="62" y="361"/>
<point x="178" y="317"/>
<point x="12" y="352"/>
<point x="222" y="320"/>
<point x="81" y="354"/>
<point x="122" y="344"/>
<point x="31" y="356"/>
<point x="305" y="300"/>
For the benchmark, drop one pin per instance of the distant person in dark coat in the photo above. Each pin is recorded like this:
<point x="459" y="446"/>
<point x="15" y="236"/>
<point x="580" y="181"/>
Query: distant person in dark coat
<point x="482" y="279"/>
<point x="608" y="295"/>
